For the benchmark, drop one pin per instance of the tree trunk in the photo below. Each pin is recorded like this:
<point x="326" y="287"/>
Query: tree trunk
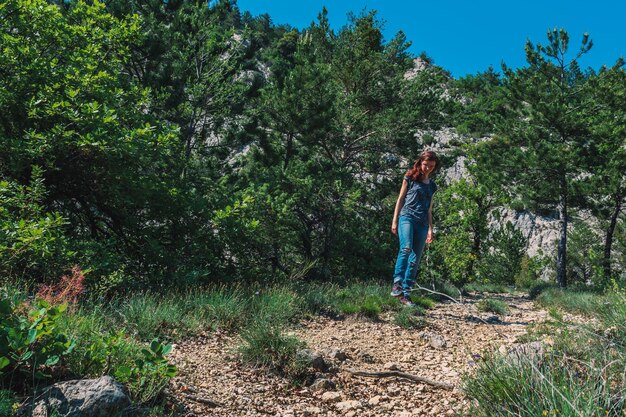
<point x="608" y="241"/>
<point x="561" y="259"/>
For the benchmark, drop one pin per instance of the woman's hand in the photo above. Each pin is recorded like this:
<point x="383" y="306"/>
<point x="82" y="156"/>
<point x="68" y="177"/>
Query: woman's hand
<point x="429" y="237"/>
<point x="394" y="228"/>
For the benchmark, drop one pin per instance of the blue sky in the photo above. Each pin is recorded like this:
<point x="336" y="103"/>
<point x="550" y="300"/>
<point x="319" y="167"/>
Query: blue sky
<point x="466" y="37"/>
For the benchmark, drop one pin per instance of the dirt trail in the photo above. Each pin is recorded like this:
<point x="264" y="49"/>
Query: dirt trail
<point x="207" y="368"/>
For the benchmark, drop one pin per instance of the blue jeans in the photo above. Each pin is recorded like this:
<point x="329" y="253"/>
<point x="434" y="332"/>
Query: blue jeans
<point x="412" y="236"/>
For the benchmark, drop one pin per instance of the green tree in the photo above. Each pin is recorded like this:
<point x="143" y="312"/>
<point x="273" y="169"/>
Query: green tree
<point x="607" y="159"/>
<point x="538" y="151"/>
<point x="67" y="107"/>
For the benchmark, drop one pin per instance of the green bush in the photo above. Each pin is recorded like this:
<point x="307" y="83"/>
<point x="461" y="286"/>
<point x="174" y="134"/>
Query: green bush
<point x="100" y="349"/>
<point x="493" y="306"/>
<point x="7" y="402"/>
<point x="32" y="241"/>
<point x="149" y="374"/>
<point x="30" y="339"/>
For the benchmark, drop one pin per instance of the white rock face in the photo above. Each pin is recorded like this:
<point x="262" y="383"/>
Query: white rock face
<point x="542" y="232"/>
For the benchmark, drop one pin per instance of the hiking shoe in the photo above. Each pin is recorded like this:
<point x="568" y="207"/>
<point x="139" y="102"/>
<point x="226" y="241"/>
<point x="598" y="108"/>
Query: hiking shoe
<point x="396" y="290"/>
<point x="407" y="302"/>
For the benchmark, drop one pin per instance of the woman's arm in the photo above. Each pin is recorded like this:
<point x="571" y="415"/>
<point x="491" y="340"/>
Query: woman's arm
<point x="399" y="204"/>
<point x="429" y="238"/>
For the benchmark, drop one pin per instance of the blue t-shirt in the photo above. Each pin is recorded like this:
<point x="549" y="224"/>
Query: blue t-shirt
<point x="417" y="200"/>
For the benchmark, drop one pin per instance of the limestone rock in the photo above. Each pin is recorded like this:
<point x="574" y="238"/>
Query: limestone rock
<point x="101" y="397"/>
<point x="435" y="340"/>
<point x="338" y="355"/>
<point x="345" y="406"/>
<point x="312" y="359"/>
<point x="322" y="384"/>
<point x="331" y="397"/>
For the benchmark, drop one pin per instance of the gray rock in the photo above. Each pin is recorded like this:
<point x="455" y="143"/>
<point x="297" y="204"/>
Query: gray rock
<point x="102" y="397"/>
<point x="338" y="355"/>
<point x="322" y="384"/>
<point x="312" y="359"/>
<point x="435" y="340"/>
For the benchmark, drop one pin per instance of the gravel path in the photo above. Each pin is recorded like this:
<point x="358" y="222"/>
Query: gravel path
<point x="208" y="367"/>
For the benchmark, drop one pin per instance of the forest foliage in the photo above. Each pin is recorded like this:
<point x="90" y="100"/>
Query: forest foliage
<point x="166" y="144"/>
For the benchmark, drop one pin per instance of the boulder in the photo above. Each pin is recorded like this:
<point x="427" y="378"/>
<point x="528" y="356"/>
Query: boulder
<point x="101" y="397"/>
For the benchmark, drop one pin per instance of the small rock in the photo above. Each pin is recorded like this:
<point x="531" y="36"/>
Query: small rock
<point x="344" y="406"/>
<point x="366" y="357"/>
<point x="322" y="384"/>
<point x="392" y="366"/>
<point x="374" y="400"/>
<point x="338" y="355"/>
<point x="434" y="411"/>
<point x="450" y="412"/>
<point x="493" y="320"/>
<point x="311" y="411"/>
<point x="331" y="397"/>
<point x="312" y="359"/>
<point x="435" y="340"/>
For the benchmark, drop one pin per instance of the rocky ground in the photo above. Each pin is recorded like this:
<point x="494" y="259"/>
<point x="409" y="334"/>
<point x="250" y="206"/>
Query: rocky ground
<point x="448" y="347"/>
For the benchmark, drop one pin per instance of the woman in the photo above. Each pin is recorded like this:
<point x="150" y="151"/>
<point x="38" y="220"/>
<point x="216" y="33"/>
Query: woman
<point x="413" y="222"/>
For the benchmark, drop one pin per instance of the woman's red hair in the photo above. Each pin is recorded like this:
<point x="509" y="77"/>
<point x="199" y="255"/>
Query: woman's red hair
<point x="416" y="173"/>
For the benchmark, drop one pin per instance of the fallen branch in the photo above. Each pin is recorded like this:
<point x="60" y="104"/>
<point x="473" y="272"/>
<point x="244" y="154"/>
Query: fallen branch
<point x="387" y="374"/>
<point x="202" y="400"/>
<point x="419" y="287"/>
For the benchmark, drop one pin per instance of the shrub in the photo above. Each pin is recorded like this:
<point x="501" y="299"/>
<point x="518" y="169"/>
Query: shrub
<point x="33" y="242"/>
<point x="7" y="402"/>
<point x="66" y="291"/>
<point x="30" y="340"/>
<point x="150" y="373"/>
<point x="493" y="306"/>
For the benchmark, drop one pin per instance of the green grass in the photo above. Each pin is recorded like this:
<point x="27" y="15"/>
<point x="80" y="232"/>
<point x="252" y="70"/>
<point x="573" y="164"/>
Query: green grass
<point x="486" y="287"/>
<point x="493" y="306"/>
<point x="410" y="318"/>
<point x="583" y="373"/>
<point x="265" y="345"/>
<point x="586" y="303"/>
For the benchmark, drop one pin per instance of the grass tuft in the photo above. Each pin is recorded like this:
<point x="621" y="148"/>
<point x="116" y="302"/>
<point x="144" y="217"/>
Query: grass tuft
<point x="493" y="306"/>
<point x="264" y="345"/>
<point x="410" y="318"/>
